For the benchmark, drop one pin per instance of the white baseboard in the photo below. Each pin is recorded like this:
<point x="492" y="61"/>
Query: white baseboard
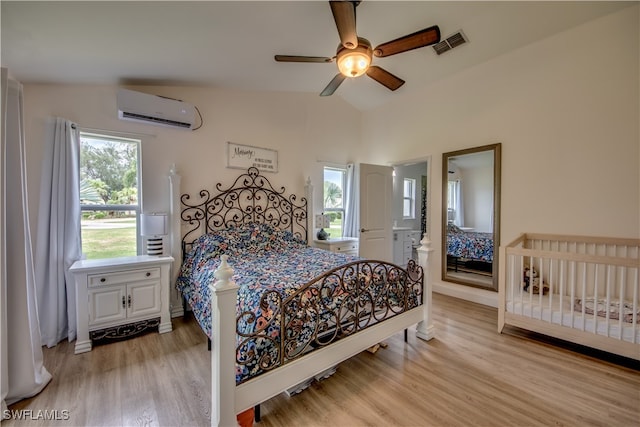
<point x="467" y="293"/>
<point x="177" y="311"/>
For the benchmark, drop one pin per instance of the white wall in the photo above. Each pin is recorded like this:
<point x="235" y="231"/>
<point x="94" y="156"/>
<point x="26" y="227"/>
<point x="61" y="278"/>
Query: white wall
<point x="566" y="110"/>
<point x="477" y="194"/>
<point x="303" y="128"/>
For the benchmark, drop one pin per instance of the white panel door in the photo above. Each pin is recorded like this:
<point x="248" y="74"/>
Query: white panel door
<point x="376" y="196"/>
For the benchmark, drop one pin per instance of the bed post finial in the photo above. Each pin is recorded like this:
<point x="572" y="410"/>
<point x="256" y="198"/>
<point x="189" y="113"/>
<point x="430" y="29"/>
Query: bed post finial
<point x="223" y="359"/>
<point x="425" y="329"/>
<point x="223" y="273"/>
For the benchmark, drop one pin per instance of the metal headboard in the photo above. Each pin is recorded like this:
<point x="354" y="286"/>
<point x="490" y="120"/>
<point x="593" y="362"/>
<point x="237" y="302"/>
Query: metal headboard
<point x="250" y="199"/>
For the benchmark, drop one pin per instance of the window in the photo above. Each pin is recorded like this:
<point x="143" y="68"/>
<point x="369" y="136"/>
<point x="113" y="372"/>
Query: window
<point x="333" y="199"/>
<point x="409" y="199"/>
<point x="109" y="195"/>
<point x="452" y="201"/>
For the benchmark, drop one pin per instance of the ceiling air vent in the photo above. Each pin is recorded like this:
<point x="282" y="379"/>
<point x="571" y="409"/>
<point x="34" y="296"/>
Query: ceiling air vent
<point x="454" y="40"/>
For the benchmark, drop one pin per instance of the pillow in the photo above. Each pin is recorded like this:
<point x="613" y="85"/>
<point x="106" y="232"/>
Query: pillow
<point x="453" y="229"/>
<point x="235" y="240"/>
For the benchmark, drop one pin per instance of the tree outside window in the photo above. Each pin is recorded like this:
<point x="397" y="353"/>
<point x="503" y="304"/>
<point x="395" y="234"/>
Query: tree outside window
<point x="333" y="199"/>
<point x="109" y="195"/>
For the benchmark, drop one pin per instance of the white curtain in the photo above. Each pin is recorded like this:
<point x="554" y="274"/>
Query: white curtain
<point x="352" y="202"/>
<point x="58" y="244"/>
<point x="459" y="208"/>
<point x="23" y="373"/>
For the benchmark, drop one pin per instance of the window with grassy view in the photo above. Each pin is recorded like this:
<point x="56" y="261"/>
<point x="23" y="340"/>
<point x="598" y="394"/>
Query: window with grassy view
<point x="333" y="196"/>
<point x="109" y="191"/>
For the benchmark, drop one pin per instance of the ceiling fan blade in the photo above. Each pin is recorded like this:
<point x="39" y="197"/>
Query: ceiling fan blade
<point x="344" y="13"/>
<point x="384" y="77"/>
<point x="333" y="85"/>
<point x="421" y="38"/>
<point x="295" y="58"/>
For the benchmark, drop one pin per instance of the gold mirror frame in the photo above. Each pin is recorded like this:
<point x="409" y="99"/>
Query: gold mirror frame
<point x="469" y="280"/>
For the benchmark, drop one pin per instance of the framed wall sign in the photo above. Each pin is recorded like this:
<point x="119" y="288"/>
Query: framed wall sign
<point x="244" y="156"/>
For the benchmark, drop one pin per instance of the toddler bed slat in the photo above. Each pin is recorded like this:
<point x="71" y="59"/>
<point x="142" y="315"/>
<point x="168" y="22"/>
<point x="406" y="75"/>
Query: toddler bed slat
<point x="578" y="288"/>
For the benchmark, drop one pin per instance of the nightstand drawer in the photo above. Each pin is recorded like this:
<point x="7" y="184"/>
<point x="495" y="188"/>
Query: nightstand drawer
<point x="346" y="247"/>
<point x="343" y="245"/>
<point x="123" y="277"/>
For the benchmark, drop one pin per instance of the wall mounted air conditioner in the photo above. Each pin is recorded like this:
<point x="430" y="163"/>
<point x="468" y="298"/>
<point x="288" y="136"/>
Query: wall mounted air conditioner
<point x="153" y="109"/>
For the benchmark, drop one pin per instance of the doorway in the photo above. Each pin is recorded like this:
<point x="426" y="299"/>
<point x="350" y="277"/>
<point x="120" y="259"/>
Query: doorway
<point x="411" y="208"/>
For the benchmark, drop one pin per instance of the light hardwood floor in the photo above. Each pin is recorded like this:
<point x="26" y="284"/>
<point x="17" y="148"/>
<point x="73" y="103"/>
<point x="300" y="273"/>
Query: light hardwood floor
<point x="469" y="375"/>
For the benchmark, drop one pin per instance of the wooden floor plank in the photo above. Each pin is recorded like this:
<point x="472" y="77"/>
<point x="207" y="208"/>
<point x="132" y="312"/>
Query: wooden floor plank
<point x="468" y="375"/>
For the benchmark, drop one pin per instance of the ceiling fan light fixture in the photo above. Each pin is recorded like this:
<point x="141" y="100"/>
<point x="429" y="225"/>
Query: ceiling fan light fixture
<point x="354" y="62"/>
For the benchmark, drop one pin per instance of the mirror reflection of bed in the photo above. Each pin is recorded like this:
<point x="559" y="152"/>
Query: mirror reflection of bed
<point x="466" y="268"/>
<point x="470" y="217"/>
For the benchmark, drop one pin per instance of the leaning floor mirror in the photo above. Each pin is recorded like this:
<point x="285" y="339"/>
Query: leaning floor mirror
<point x="471" y="216"/>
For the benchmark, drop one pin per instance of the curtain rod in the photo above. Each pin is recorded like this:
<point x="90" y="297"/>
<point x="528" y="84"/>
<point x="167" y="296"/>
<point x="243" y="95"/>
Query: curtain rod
<point x="332" y="163"/>
<point x="135" y="134"/>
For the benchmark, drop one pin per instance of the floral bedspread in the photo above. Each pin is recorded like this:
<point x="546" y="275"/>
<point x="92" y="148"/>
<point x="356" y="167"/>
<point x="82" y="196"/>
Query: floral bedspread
<point x="471" y="245"/>
<point x="262" y="258"/>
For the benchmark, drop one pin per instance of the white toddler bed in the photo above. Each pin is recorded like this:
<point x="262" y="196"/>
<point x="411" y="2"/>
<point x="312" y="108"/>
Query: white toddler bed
<point x="580" y="289"/>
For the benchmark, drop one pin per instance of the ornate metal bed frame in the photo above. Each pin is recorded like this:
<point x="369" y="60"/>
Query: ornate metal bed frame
<point x="251" y="198"/>
<point x="376" y="299"/>
<point x="369" y="292"/>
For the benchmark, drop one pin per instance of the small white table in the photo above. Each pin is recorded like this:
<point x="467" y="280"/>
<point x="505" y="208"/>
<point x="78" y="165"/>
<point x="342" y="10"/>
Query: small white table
<point x="122" y="295"/>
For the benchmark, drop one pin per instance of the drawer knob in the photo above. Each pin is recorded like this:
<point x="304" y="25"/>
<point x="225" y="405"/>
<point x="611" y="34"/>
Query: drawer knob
<point x="148" y="273"/>
<point x="102" y="279"/>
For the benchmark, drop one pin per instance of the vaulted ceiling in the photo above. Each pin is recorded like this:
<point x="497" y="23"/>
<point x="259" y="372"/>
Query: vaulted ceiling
<point x="232" y="44"/>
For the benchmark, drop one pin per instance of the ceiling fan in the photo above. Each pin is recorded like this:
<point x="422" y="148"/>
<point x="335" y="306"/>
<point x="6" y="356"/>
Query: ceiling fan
<point x="354" y="54"/>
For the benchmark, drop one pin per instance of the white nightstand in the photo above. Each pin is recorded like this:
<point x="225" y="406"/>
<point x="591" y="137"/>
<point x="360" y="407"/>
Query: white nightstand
<point x="121" y="296"/>
<point x="344" y="245"/>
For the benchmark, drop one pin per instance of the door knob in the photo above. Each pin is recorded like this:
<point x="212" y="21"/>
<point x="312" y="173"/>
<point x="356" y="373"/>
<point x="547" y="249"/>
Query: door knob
<point x="363" y="230"/>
